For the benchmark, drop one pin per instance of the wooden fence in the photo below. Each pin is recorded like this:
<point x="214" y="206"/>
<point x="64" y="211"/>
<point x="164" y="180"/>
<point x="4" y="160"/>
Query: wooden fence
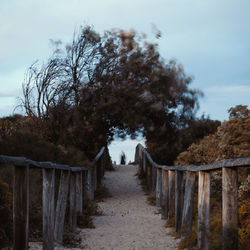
<point x="176" y="198"/>
<point x="73" y="180"/>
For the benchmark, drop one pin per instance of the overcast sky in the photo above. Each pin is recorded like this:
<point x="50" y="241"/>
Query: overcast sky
<point x="210" y="38"/>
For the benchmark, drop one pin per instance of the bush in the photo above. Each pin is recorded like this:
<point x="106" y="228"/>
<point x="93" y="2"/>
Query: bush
<point x="232" y="140"/>
<point x="5" y="215"/>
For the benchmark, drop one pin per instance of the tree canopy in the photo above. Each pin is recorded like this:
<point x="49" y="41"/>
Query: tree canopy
<point x="102" y="86"/>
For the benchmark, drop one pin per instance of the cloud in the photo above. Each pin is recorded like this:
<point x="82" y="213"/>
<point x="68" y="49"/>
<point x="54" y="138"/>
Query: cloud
<point x="6" y="110"/>
<point x="210" y="38"/>
<point x="231" y="89"/>
<point x="13" y="93"/>
<point x="218" y="99"/>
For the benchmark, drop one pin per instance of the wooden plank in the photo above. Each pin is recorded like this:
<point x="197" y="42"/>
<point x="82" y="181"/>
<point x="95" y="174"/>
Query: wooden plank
<point x="141" y="156"/>
<point x="21" y="207"/>
<point x="48" y="208"/>
<point x="79" y="192"/>
<point x="179" y="196"/>
<point x="171" y="194"/>
<point x="104" y="162"/>
<point x="144" y="165"/>
<point x="94" y="176"/>
<point x="72" y="203"/>
<point x="158" y="187"/>
<point x="154" y="175"/>
<point x="229" y="163"/>
<point x="99" y="154"/>
<point x="203" y="209"/>
<point x="145" y="171"/>
<point x="98" y="173"/>
<point x="230" y="208"/>
<point x="61" y="205"/>
<point x="89" y="184"/>
<point x="149" y="177"/>
<point x="165" y="197"/>
<point x="85" y="186"/>
<point x="187" y="214"/>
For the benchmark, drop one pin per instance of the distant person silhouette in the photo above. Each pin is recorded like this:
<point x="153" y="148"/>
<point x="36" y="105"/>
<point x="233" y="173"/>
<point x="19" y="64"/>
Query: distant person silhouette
<point x="123" y="158"/>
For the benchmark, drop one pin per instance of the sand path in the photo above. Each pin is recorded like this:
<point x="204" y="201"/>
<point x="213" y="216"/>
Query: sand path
<point x="128" y="222"/>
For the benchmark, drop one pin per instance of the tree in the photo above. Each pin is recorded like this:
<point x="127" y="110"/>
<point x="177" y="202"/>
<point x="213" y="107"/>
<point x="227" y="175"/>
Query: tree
<point x="112" y="85"/>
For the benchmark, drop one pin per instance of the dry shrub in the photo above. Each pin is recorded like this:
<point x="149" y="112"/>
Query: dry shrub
<point x="102" y="193"/>
<point x="170" y="222"/>
<point x="244" y="215"/>
<point x="142" y="176"/>
<point x="19" y="138"/>
<point x="90" y="209"/>
<point x="232" y="140"/>
<point x="189" y="242"/>
<point x="151" y="200"/>
<point x="5" y="215"/>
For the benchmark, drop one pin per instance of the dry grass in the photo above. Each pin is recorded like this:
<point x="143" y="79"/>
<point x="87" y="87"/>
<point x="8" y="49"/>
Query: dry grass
<point x="101" y="194"/>
<point x="151" y="200"/>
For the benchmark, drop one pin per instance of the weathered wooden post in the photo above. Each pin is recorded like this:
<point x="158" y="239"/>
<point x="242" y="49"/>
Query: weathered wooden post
<point x="89" y="184"/>
<point x="154" y="175"/>
<point x="179" y="196"/>
<point x="72" y="202"/>
<point x="94" y="176"/>
<point x="61" y="205"/>
<point x="79" y="192"/>
<point x="203" y="209"/>
<point x="144" y="165"/>
<point x="149" y="177"/>
<point x="171" y="194"/>
<point x="85" y="184"/>
<point x="187" y="214"/>
<point x="165" y="198"/>
<point x="21" y="207"/>
<point x="104" y="161"/>
<point x="230" y="208"/>
<point x="98" y="173"/>
<point x="48" y="208"/>
<point x="158" y="187"/>
<point x="140" y="155"/>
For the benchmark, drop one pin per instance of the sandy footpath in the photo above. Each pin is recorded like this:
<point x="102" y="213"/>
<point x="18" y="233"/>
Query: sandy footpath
<point x="128" y="222"/>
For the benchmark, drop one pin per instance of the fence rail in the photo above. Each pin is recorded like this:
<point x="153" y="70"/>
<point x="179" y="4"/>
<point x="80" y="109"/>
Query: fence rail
<point x="174" y="187"/>
<point x="75" y="181"/>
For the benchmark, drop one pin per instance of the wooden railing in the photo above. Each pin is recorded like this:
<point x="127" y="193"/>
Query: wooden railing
<point x="74" y="183"/>
<point x="177" y="199"/>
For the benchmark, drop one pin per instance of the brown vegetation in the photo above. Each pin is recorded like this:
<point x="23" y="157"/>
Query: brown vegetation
<point x="232" y="140"/>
